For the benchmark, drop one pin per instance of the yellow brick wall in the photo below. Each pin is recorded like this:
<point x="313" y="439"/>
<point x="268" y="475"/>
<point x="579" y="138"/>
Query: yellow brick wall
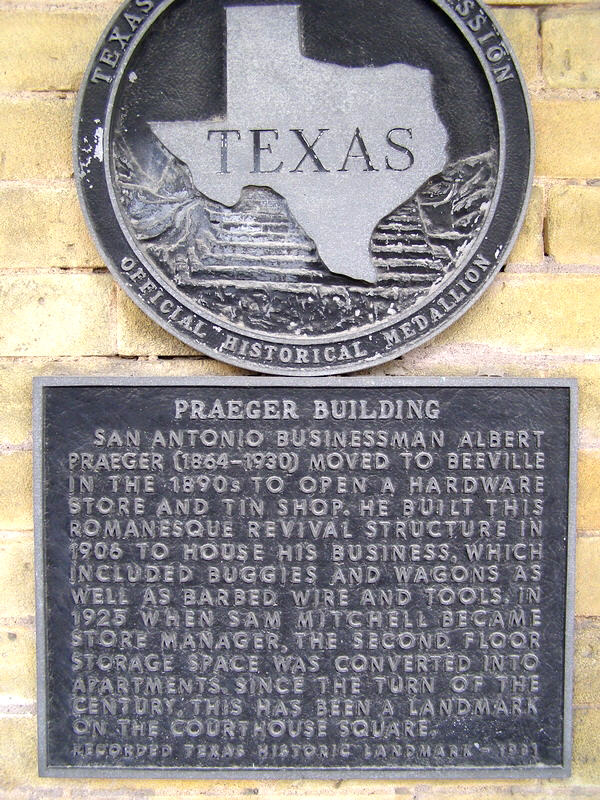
<point x="540" y="318"/>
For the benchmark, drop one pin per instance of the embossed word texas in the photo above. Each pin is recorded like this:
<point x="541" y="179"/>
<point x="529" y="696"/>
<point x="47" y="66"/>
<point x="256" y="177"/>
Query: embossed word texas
<point x="343" y="145"/>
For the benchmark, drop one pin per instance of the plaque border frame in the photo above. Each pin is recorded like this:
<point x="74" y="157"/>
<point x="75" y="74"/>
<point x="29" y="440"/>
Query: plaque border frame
<point x="286" y="772"/>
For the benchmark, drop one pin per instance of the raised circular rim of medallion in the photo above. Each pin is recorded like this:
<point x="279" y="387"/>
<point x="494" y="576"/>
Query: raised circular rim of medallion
<point x="202" y="320"/>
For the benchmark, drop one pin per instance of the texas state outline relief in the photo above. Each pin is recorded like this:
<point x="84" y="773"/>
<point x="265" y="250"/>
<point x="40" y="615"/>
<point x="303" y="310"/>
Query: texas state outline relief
<point x="343" y="145"/>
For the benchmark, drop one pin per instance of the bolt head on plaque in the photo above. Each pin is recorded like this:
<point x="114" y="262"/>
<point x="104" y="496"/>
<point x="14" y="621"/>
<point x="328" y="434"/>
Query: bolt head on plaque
<point x="304" y="188"/>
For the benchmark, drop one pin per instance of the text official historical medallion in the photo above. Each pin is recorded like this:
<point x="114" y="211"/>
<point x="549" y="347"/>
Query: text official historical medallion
<point x="303" y="188"/>
<point x="304" y="577"/>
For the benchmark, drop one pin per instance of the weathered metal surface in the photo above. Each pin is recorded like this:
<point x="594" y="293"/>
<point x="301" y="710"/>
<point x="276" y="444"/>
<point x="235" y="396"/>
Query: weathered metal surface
<point x="304" y="188"/>
<point x="318" y="577"/>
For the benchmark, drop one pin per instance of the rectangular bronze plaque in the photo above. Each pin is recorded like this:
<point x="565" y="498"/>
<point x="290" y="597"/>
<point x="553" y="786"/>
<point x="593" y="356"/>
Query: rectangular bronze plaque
<point x="320" y="577"/>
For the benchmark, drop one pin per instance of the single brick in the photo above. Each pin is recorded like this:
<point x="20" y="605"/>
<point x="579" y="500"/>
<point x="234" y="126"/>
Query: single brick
<point x="529" y="247"/>
<point x="587" y="662"/>
<point x="16" y="376"/>
<point x="15" y="402"/>
<point x="304" y="789"/>
<point x="46" y="49"/>
<point x="521" y="28"/>
<point x="43" y="226"/>
<point x="16" y="505"/>
<point x="533" y="313"/>
<point x="572" y="230"/>
<point x="588" y="378"/>
<point x="17" y="655"/>
<point x="588" y="503"/>
<point x="567" y="138"/>
<point x="16" y="577"/>
<point x="56" y="314"/>
<point x="571" y="49"/>
<point x="138" y="334"/>
<point x="587" y="585"/>
<point x="477" y="790"/>
<point x="18" y="752"/>
<point x="566" y="790"/>
<point x="586" y="749"/>
<point x="35" y="137"/>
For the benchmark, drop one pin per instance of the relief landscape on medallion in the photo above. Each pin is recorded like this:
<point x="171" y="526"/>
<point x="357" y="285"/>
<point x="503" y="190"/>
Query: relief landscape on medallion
<point x="304" y="187"/>
<point x="280" y="225"/>
<point x="253" y="264"/>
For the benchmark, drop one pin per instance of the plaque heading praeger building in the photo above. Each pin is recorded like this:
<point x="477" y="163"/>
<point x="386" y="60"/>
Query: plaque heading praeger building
<point x="258" y="577"/>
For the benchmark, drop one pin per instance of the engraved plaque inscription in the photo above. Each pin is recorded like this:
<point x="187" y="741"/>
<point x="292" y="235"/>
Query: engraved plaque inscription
<point x="312" y="577"/>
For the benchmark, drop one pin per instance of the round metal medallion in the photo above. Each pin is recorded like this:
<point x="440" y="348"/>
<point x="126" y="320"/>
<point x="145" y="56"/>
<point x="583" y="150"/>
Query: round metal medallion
<point x="304" y="188"/>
